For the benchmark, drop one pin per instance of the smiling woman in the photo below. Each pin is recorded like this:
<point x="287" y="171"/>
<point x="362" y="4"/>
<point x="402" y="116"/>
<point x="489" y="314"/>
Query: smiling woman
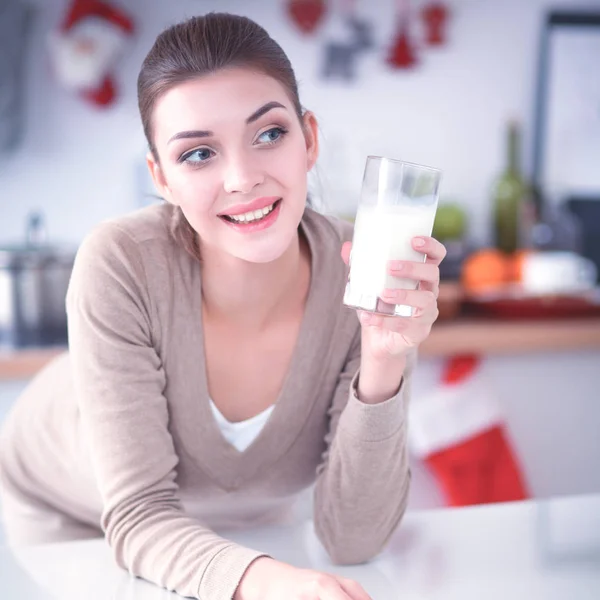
<point x="252" y="82"/>
<point x="213" y="372"/>
<point x="213" y="164"/>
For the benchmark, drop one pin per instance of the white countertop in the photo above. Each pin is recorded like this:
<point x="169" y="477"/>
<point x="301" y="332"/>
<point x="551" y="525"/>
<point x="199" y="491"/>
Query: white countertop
<point x="535" y="550"/>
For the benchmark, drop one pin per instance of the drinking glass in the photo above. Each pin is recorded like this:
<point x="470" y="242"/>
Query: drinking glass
<point x="398" y="202"/>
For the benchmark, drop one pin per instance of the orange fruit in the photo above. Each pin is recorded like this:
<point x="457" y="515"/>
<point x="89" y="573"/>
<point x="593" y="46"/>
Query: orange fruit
<point x="486" y="270"/>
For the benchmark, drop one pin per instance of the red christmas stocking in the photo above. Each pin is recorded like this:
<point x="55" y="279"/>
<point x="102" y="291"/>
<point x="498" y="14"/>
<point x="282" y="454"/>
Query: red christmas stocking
<point x="458" y="431"/>
<point x="84" y="51"/>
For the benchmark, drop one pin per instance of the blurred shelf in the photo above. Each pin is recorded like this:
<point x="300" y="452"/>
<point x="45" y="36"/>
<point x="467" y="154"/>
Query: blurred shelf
<point x="484" y="336"/>
<point x="24" y="363"/>
<point x="452" y="336"/>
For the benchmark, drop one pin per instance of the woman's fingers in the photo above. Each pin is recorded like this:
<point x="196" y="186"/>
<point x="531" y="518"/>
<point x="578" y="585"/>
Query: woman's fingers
<point x="405" y="325"/>
<point x="331" y="589"/>
<point x="415" y="270"/>
<point x="435" y="251"/>
<point x="353" y="589"/>
<point x="425" y="313"/>
<point x="427" y="274"/>
<point x="421" y="299"/>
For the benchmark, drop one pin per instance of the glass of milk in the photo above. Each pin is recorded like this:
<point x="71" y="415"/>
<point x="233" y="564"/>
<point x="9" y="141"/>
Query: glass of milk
<point x="398" y="202"/>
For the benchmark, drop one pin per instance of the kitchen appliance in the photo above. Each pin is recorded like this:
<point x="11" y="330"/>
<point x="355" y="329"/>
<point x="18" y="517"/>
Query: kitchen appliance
<point x="587" y="211"/>
<point x="566" y="123"/>
<point x="566" y="132"/>
<point x="566" y="127"/>
<point x="34" y="278"/>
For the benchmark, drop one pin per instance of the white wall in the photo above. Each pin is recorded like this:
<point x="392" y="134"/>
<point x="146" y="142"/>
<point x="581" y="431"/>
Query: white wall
<point x="81" y="165"/>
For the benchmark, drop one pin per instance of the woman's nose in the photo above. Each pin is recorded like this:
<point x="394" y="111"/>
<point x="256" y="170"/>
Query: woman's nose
<point x="241" y="175"/>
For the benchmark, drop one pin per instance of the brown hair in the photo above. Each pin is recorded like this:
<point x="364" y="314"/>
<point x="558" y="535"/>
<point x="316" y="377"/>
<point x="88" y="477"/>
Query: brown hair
<point x="201" y="46"/>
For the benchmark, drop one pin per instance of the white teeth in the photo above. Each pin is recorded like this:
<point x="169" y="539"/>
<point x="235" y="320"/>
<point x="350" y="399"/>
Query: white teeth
<point x="252" y="215"/>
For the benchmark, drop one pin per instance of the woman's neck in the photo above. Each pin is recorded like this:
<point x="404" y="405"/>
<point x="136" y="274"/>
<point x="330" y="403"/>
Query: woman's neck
<point x="253" y="294"/>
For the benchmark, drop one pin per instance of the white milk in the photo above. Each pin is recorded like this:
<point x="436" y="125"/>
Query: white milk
<point x="383" y="233"/>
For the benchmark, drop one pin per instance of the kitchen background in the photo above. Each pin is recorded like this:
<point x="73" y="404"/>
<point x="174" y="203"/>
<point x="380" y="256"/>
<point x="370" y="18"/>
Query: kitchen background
<point x="77" y="164"/>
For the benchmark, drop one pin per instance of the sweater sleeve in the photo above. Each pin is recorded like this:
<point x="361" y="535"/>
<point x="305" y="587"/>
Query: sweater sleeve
<point x="363" y="480"/>
<point x="119" y="381"/>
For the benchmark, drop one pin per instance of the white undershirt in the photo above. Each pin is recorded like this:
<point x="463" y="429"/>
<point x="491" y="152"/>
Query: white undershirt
<point x="243" y="433"/>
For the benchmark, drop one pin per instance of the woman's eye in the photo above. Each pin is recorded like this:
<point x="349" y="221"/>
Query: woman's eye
<point x="272" y="135"/>
<point x="197" y="156"/>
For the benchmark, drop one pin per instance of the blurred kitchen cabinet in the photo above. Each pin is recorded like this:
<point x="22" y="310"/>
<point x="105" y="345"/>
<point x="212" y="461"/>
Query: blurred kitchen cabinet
<point x="15" y="19"/>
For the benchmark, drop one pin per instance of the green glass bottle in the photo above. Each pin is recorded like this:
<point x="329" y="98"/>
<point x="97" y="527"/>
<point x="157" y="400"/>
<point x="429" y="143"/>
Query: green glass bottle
<point x="509" y="196"/>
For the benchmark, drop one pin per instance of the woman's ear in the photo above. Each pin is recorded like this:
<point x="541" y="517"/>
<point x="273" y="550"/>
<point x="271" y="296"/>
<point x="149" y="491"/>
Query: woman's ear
<point x="158" y="177"/>
<point x="311" y="135"/>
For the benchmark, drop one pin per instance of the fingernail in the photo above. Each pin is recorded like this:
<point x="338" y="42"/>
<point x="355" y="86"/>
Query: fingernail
<point x="397" y="265"/>
<point x="419" y="242"/>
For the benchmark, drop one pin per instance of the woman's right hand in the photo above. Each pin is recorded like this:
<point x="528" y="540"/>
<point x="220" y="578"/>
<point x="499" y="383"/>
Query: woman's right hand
<point x="268" y="579"/>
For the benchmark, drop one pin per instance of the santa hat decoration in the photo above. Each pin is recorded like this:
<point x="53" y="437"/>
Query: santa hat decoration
<point x="85" y="49"/>
<point x="458" y="431"/>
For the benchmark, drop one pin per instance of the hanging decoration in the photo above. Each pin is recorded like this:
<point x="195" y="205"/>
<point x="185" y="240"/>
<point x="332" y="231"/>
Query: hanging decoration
<point x="435" y="17"/>
<point x="85" y="50"/>
<point x="306" y="14"/>
<point x="402" y="53"/>
<point x="458" y="430"/>
<point x="348" y="36"/>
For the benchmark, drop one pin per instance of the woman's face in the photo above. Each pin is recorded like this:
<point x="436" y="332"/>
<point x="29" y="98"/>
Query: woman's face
<point x="234" y="156"/>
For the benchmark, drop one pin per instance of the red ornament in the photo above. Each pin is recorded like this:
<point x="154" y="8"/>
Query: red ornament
<point x="435" y="15"/>
<point x="402" y="55"/>
<point x="91" y="39"/>
<point x="307" y="14"/>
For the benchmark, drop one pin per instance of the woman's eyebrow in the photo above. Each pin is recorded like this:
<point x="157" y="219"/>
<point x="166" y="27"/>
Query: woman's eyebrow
<point x="201" y="133"/>
<point x="257" y="114"/>
<point x="184" y="135"/>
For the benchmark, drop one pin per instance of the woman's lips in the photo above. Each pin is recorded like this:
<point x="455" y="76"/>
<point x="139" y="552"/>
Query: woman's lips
<point x="257" y="225"/>
<point x="255" y="204"/>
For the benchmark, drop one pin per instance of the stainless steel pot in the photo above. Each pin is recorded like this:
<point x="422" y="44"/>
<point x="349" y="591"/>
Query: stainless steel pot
<point x="33" y="283"/>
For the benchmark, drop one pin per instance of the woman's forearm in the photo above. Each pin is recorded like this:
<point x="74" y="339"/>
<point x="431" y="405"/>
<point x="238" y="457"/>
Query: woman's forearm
<point x="379" y="379"/>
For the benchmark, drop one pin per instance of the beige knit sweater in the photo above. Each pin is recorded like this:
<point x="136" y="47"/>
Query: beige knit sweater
<point x="118" y="433"/>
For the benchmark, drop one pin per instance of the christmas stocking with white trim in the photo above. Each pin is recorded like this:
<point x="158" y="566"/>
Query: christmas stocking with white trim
<point x="458" y="431"/>
<point x="84" y="51"/>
